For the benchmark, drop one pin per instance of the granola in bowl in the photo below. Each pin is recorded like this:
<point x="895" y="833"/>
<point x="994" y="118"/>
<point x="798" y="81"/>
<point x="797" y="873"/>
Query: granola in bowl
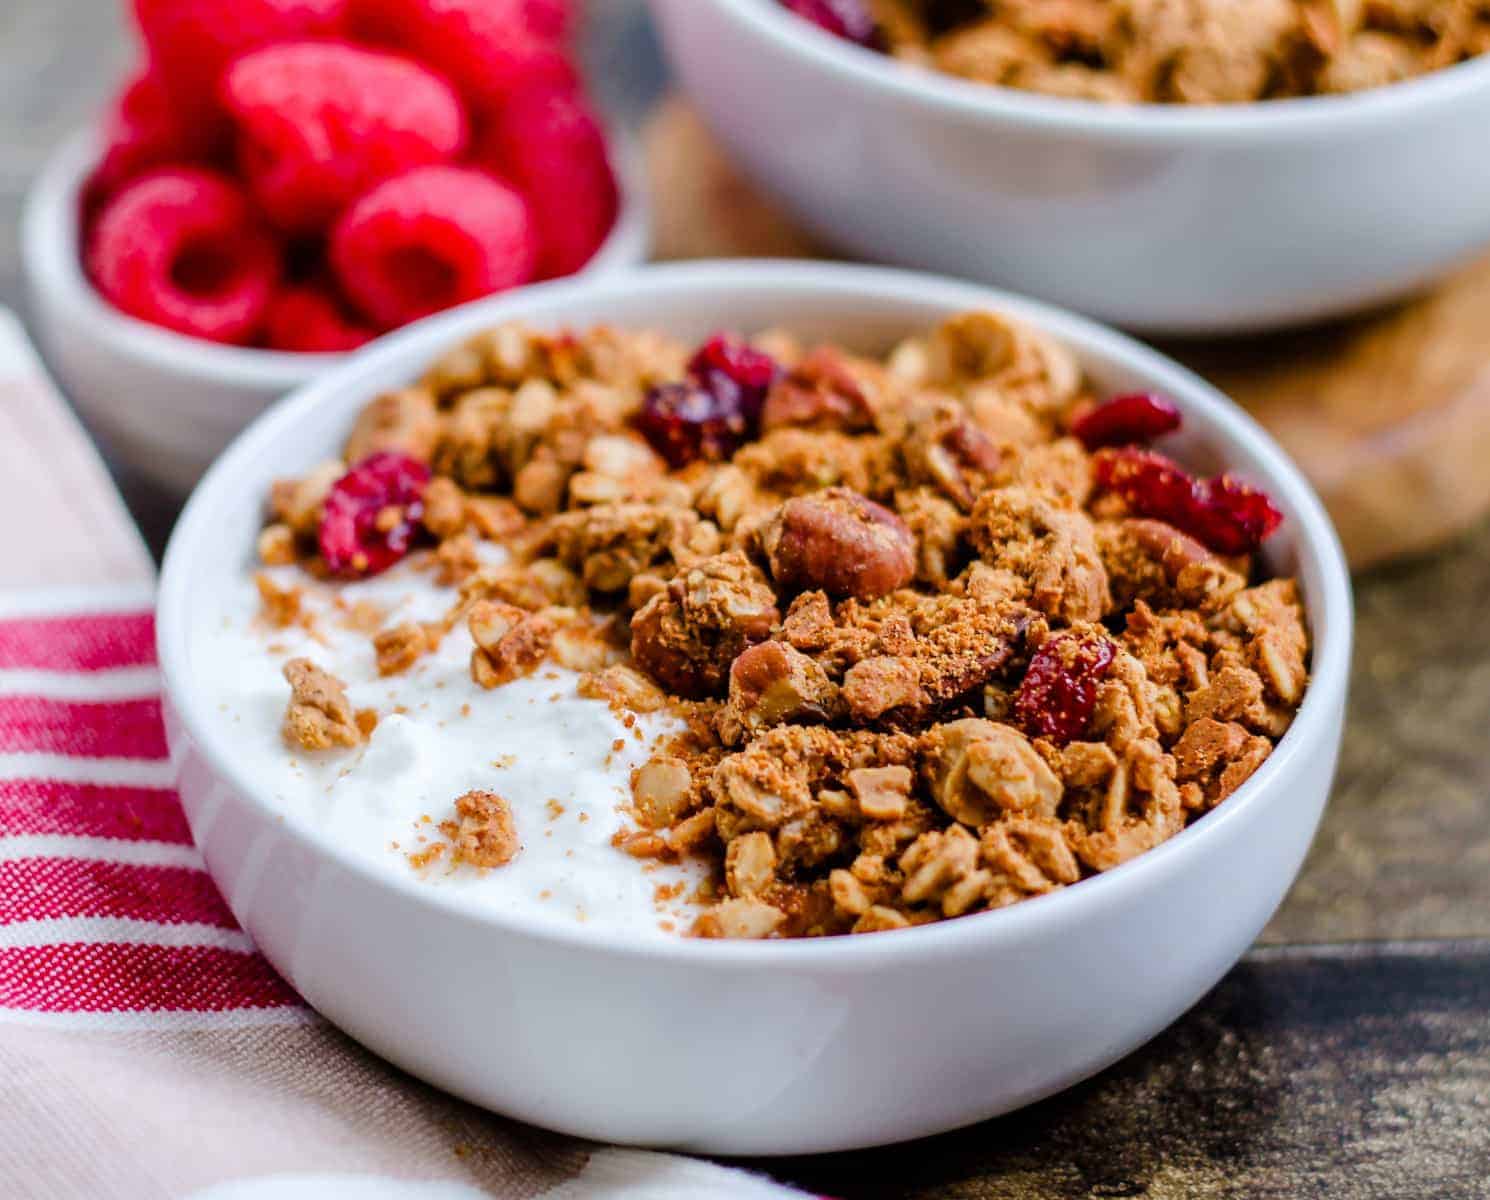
<point x="1167" y="51"/>
<point x="842" y="644"/>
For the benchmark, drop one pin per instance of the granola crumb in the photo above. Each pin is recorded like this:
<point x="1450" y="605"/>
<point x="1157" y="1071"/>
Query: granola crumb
<point x="279" y="607"/>
<point x="483" y="834"/>
<point x="319" y="716"/>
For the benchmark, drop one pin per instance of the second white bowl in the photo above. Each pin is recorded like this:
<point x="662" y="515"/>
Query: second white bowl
<point x="1172" y="219"/>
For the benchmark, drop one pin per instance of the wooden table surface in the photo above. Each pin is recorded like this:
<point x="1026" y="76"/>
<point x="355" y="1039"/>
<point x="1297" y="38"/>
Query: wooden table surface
<point x="1349" y="1057"/>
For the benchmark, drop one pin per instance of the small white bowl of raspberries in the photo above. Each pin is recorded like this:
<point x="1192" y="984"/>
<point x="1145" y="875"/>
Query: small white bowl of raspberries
<point x="282" y="181"/>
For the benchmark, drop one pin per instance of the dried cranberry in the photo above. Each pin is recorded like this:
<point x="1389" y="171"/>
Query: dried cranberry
<point x="1125" y="420"/>
<point x="848" y="19"/>
<point x="726" y="363"/>
<point x="1235" y="518"/>
<point x="1152" y="485"/>
<point x="1059" y="691"/>
<point x="1226" y="515"/>
<point x="685" y="421"/>
<point x="371" y="514"/>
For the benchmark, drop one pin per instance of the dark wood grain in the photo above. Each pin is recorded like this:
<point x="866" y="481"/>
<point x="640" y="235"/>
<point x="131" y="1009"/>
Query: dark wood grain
<point x="1341" y="1072"/>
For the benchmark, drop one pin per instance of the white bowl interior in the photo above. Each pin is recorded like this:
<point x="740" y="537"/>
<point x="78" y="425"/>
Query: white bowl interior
<point x="866" y="308"/>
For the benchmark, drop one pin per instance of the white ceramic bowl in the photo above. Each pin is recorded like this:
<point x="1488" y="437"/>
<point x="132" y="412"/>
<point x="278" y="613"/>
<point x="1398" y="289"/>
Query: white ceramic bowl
<point x="748" y="1048"/>
<point x="1162" y="219"/>
<point x="168" y="404"/>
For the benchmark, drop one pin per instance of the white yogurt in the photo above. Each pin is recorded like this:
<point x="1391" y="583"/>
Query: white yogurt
<point x="563" y="762"/>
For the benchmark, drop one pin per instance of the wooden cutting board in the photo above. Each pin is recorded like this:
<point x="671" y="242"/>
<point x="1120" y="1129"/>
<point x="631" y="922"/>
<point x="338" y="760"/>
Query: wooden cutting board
<point x="1389" y="414"/>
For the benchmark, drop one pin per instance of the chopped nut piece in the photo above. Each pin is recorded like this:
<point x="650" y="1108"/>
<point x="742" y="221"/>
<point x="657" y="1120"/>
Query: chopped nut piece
<point x="840" y="542"/>
<point x="583" y="647"/>
<point x="624" y="688"/>
<point x="771" y="684"/>
<point x="826" y="390"/>
<point x="691" y="832"/>
<point x="510" y="642"/>
<point x="660" y="790"/>
<point x="749" y="864"/>
<point x="319" y="715"/>
<point x="739" y="918"/>
<point x="849" y="895"/>
<point x="882" y="793"/>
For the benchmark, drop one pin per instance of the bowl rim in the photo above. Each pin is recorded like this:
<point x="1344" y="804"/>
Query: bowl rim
<point x="50" y="255"/>
<point x="1318" y="546"/>
<point x="1304" y="117"/>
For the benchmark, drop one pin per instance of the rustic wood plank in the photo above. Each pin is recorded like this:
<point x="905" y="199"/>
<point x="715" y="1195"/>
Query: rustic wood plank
<point x="1344" y="1072"/>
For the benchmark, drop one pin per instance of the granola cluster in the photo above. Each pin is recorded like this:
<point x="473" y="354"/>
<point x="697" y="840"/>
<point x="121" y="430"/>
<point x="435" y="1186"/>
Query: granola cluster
<point x="927" y="663"/>
<point x="1185" y="51"/>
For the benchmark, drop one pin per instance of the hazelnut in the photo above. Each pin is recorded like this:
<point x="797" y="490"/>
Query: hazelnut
<point x="840" y="542"/>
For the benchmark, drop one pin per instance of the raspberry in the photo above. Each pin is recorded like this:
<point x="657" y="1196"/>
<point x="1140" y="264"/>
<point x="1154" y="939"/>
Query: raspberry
<point x="729" y="364"/>
<point x="145" y="130"/>
<point x="1059" y="690"/>
<point x="549" y="144"/>
<point x="685" y="422"/>
<point x="549" y="18"/>
<point x="848" y="19"/>
<point x="321" y="123"/>
<point x="490" y="49"/>
<point x="371" y="514"/>
<point x="182" y="248"/>
<point x="309" y="319"/>
<point x="431" y="238"/>
<point x="1226" y="515"/>
<point x="192" y="41"/>
<point x="1124" y="420"/>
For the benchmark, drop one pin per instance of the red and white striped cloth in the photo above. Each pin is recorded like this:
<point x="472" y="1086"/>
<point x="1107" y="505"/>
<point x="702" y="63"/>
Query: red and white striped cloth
<point x="105" y="908"/>
<point x="146" y="1049"/>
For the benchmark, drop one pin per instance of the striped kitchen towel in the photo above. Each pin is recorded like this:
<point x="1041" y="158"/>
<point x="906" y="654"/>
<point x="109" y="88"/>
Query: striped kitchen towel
<point x="146" y="1049"/>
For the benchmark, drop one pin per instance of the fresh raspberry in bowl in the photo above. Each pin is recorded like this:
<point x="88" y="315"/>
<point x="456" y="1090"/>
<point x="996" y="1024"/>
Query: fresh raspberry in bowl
<point x="320" y="124"/>
<point x="431" y="239"/>
<point x="184" y="249"/>
<point x="303" y="109"/>
<point x="323" y="113"/>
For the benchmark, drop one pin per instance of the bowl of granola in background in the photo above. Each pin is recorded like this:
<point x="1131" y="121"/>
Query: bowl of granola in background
<point x="266" y="194"/>
<point x="1188" y="219"/>
<point x="732" y="1046"/>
